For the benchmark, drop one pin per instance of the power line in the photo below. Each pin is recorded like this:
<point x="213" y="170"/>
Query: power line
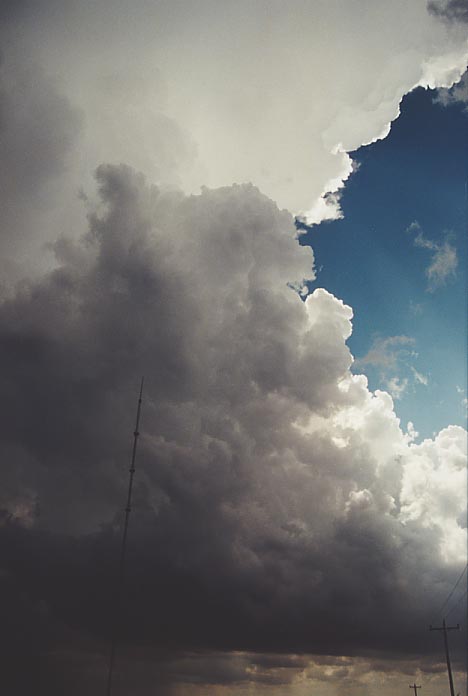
<point x="439" y="613"/>
<point x="457" y="603"/>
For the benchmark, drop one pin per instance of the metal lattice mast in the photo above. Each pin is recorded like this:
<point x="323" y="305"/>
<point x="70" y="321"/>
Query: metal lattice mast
<point x="123" y="548"/>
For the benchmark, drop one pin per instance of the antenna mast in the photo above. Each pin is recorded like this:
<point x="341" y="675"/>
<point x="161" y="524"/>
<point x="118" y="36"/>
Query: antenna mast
<point x="123" y="548"/>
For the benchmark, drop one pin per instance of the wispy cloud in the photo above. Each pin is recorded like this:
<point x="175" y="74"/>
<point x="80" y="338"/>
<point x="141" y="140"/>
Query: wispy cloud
<point x="414" y="227"/>
<point x="458" y="94"/>
<point x="397" y="386"/>
<point x="444" y="259"/>
<point x="444" y="264"/>
<point x="391" y="358"/>
<point x="419" y="377"/>
<point x="464" y="400"/>
<point x="386" y="353"/>
<point x="415" y="308"/>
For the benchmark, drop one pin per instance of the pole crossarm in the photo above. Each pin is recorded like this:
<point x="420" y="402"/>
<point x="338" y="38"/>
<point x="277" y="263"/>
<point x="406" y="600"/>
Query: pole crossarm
<point x="413" y="686"/>
<point x="445" y="628"/>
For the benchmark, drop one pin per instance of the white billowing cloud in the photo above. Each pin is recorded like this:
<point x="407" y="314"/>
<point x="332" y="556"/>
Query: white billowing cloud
<point x="434" y="488"/>
<point x="442" y="71"/>
<point x="270" y="92"/>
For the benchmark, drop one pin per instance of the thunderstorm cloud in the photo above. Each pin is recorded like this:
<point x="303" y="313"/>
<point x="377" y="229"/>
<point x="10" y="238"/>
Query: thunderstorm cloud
<point x="266" y="467"/>
<point x="152" y="158"/>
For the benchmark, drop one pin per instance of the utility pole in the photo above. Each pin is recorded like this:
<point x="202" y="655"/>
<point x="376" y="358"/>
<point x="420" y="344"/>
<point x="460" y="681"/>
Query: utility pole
<point x="123" y="549"/>
<point x="446" y="628"/>
<point x="413" y="686"/>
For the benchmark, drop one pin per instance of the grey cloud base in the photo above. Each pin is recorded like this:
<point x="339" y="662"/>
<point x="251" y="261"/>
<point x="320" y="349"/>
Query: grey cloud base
<point x="39" y="131"/>
<point x="450" y="10"/>
<point x="278" y="505"/>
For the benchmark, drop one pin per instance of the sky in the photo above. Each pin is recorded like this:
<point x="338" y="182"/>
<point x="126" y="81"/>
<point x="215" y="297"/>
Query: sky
<point x="261" y="208"/>
<point x="404" y="213"/>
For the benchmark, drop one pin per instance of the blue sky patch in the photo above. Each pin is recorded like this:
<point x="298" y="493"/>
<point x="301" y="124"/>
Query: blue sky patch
<point x="398" y="257"/>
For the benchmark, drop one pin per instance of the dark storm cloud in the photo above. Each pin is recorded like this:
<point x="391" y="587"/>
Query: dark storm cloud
<point x="39" y="130"/>
<point x="249" y="528"/>
<point x="22" y="12"/>
<point x="10" y="9"/>
<point x="127" y="302"/>
<point x="451" y="10"/>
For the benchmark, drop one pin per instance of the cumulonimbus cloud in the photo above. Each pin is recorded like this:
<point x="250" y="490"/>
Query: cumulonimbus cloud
<point x="274" y="490"/>
<point x="265" y="467"/>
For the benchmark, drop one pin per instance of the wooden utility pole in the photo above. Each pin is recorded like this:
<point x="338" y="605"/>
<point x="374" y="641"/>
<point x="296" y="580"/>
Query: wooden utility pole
<point x="123" y="549"/>
<point x="413" y="686"/>
<point x="446" y="628"/>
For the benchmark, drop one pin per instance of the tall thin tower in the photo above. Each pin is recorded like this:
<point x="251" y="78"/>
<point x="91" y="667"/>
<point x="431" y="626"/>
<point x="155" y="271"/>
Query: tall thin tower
<point x="123" y="549"/>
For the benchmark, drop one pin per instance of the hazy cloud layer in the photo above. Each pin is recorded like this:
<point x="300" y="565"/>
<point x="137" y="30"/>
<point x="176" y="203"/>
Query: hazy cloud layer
<point x="250" y="92"/>
<point x="255" y="93"/>
<point x="274" y="491"/>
